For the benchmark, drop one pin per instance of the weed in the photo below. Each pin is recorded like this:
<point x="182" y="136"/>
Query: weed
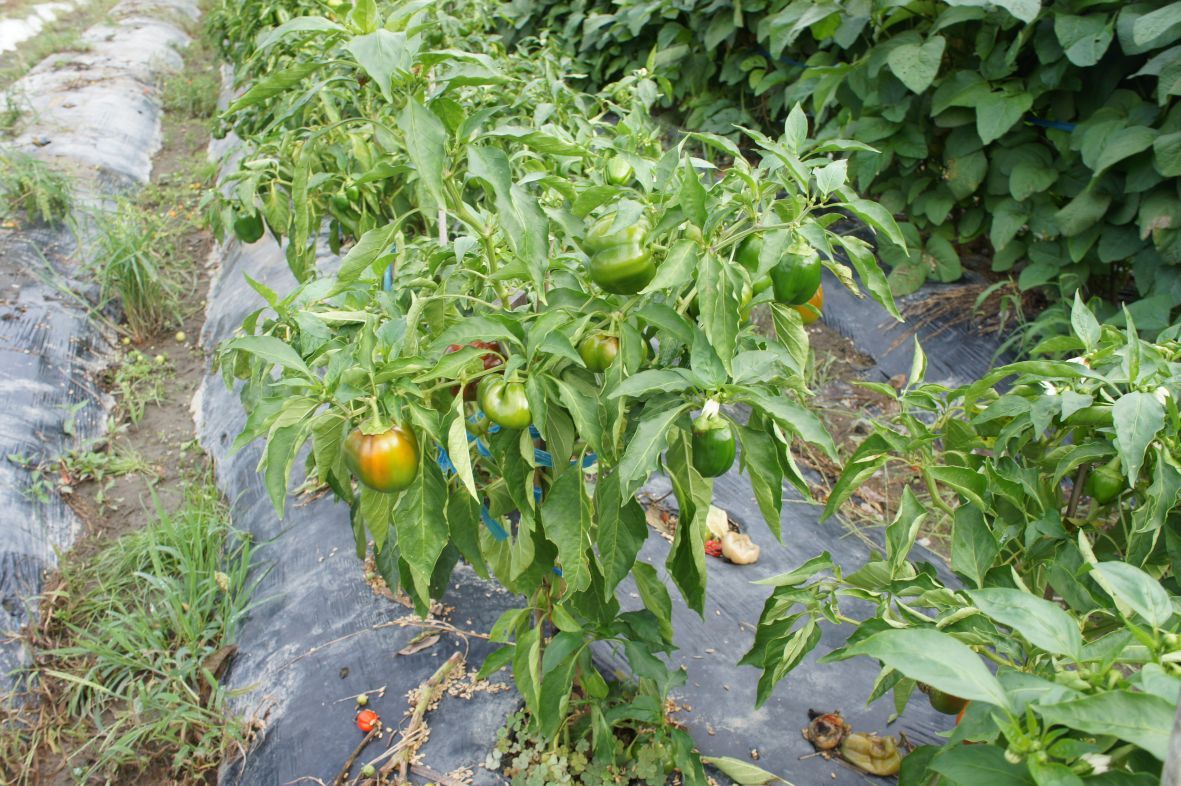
<point x="138" y="380"/>
<point x="12" y="114"/>
<point x="99" y="461"/>
<point x="191" y="94"/>
<point x="31" y="187"/>
<point x="126" y="664"/>
<point x="137" y="264"/>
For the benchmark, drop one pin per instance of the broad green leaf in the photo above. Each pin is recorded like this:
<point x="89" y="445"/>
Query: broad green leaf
<point x="1138" y="718"/>
<point x="524" y="224"/>
<point x="831" y="176"/>
<point x="643" y="451"/>
<point x="902" y="531"/>
<point x="794" y="418"/>
<point x="969" y="764"/>
<point x="464" y="524"/>
<point x="273" y="84"/>
<point x="1138" y="417"/>
<point x="1128" y="142"/>
<point x="679" y="266"/>
<point x="872" y="278"/>
<point x="656" y="380"/>
<point x="654" y="593"/>
<point x="1167" y="154"/>
<point x="1084" y="38"/>
<point x="741" y="772"/>
<point x="272" y="350"/>
<point x="916" y="66"/>
<point x="766" y="477"/>
<point x="935" y="658"/>
<point x="566" y="519"/>
<point x="1052" y="773"/>
<point x="1156" y="23"/>
<point x="622" y="529"/>
<point x="1082" y="212"/>
<point x="1029" y="178"/>
<point x="800" y="574"/>
<point x="1135" y="589"/>
<point x="718" y="300"/>
<point x="375" y="510"/>
<point x="968" y="483"/>
<point x="693" y="196"/>
<point x="421" y="523"/>
<point x="425" y="138"/>
<point x="1041" y="622"/>
<point x="383" y="55"/>
<point x="1025" y="10"/>
<point x="686" y="558"/>
<point x="973" y="545"/>
<point x="878" y="219"/>
<point x="458" y="450"/>
<point x="997" y="112"/>
<point x="372" y="245"/>
<point x="1084" y="323"/>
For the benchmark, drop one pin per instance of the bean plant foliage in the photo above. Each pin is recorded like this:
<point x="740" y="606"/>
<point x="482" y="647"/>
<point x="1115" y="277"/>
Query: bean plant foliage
<point x="1045" y="133"/>
<point x="1062" y="629"/>
<point x="471" y="190"/>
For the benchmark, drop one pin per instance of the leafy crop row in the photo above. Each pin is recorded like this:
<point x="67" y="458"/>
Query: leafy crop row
<point x="1044" y="134"/>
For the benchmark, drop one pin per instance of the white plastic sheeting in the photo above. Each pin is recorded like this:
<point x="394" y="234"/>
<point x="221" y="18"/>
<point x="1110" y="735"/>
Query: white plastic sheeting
<point x="16" y="30"/>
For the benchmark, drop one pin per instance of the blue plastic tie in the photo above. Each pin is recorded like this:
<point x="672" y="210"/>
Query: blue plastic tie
<point x="492" y="524"/>
<point x="387" y="278"/>
<point x="1057" y="125"/>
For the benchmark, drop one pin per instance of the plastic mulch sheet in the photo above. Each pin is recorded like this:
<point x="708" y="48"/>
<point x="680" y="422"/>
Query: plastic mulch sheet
<point x="96" y="117"/>
<point x="319" y="634"/>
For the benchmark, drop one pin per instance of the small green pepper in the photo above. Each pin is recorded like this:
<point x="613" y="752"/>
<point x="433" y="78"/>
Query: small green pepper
<point x="598" y="351"/>
<point x="620" y="261"/>
<point x="713" y="442"/>
<point x="504" y="402"/>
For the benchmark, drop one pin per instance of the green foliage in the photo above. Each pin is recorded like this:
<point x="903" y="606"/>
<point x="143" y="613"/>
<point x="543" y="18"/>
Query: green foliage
<point x="137" y="264"/>
<point x="1072" y="598"/>
<point x="32" y="188"/>
<point x="1047" y="132"/>
<point x="462" y="182"/>
<point x="138" y="381"/>
<point x="132" y="634"/>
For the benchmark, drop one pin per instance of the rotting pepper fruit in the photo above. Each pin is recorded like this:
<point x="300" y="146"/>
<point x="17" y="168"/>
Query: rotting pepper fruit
<point x="384" y="462"/>
<point x="598" y="351"/>
<point x="795" y="279"/>
<point x="1105" y="483"/>
<point x="713" y="442"/>
<point x="505" y="402"/>
<point x="876" y="755"/>
<point x="620" y="262"/>
<point x="826" y="730"/>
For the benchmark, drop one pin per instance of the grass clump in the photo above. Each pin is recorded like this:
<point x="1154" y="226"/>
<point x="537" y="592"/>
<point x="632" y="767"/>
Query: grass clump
<point x="28" y="185"/>
<point x="128" y="656"/>
<point x="138" y="264"/>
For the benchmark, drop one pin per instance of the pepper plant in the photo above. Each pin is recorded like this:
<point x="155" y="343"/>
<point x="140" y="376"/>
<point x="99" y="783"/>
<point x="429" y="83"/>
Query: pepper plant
<point x="595" y="307"/>
<point x="1044" y="134"/>
<point x="1062" y="499"/>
